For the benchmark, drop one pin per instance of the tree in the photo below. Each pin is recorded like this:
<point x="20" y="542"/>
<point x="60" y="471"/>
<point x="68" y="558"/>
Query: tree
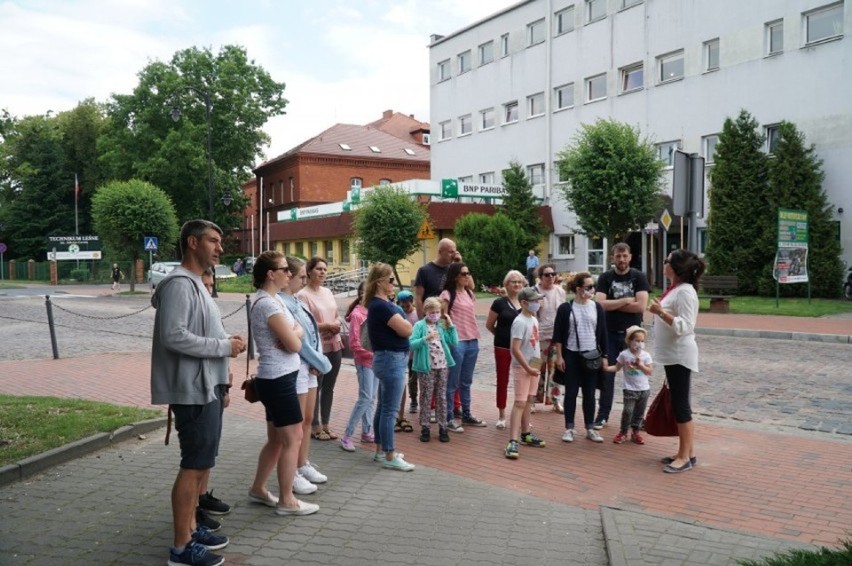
<point x="142" y="140"/>
<point x="124" y="212"/>
<point x="490" y="244"/>
<point x="613" y="179"/>
<point x="521" y="206"/>
<point x="386" y="226"/>
<point x="739" y="220"/>
<point x="795" y="181"/>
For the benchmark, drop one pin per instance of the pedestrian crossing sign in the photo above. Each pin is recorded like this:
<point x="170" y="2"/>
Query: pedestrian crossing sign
<point x="151" y="243"/>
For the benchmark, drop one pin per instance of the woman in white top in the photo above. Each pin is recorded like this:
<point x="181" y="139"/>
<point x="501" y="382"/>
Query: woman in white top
<point x="675" y="347"/>
<point x="279" y="339"/>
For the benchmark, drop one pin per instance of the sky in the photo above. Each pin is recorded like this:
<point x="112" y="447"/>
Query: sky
<point x="342" y="61"/>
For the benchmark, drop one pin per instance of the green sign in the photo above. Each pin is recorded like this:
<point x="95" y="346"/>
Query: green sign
<point x="449" y="188"/>
<point x="792" y="228"/>
<point x="791" y="259"/>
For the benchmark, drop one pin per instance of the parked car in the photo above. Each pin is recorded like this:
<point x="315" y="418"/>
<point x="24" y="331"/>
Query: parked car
<point x="159" y="270"/>
<point x="224" y="272"/>
<point x="248" y="263"/>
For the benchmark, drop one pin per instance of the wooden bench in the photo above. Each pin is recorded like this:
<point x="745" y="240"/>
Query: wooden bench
<point x="719" y="288"/>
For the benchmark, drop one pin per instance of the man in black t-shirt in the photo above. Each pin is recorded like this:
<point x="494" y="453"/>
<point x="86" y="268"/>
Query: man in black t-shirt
<point x="623" y="293"/>
<point x="429" y="280"/>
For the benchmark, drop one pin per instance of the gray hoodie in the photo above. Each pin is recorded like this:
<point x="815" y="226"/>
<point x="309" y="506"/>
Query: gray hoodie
<point x="190" y="350"/>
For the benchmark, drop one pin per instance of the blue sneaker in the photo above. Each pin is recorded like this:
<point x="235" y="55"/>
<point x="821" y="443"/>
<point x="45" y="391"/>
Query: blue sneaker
<point x="195" y="555"/>
<point x="208" y="539"/>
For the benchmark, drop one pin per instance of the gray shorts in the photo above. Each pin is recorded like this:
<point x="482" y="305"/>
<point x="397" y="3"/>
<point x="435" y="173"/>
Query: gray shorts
<point x="199" y="429"/>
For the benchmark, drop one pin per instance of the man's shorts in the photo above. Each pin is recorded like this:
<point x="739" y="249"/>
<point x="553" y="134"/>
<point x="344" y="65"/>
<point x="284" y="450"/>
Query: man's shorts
<point x="280" y="399"/>
<point x="199" y="429"/>
<point x="305" y="381"/>
<point x="525" y="384"/>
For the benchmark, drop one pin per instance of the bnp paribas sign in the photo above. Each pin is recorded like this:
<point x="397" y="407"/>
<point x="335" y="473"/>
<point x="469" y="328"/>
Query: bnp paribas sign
<point x="453" y="188"/>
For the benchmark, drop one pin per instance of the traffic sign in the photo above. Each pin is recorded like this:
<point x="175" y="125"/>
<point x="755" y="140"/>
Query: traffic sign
<point x="3" y="248"/>
<point x="151" y="243"/>
<point x="666" y="219"/>
<point x="425" y="232"/>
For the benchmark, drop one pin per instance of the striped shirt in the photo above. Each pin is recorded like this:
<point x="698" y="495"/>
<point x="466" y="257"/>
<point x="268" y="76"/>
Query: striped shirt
<point x="463" y="314"/>
<point x="584" y="321"/>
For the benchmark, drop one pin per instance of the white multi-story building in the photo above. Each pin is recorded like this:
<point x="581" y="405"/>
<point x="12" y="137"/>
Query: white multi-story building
<point x="518" y="85"/>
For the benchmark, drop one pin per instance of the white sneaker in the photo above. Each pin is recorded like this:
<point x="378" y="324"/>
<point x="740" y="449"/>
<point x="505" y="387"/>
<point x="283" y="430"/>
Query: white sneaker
<point x="501" y="424"/>
<point x="568" y="436"/>
<point x="302" y="486"/>
<point x="593" y="435"/>
<point x="312" y="474"/>
<point x="398" y="464"/>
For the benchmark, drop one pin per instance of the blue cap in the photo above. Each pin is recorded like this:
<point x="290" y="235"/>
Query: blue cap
<point x="404" y="296"/>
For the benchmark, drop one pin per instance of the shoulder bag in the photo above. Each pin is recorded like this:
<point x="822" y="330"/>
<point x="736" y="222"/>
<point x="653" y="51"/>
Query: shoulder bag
<point x="660" y="420"/>
<point x="592" y="359"/>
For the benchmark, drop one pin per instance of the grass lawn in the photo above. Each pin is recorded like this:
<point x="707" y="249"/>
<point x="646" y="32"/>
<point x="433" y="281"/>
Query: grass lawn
<point x="822" y="557"/>
<point x="786" y="307"/>
<point x="31" y="425"/>
<point x="10" y="285"/>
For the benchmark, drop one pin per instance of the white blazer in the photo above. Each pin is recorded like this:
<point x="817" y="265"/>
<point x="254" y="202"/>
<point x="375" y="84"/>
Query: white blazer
<point x="675" y="343"/>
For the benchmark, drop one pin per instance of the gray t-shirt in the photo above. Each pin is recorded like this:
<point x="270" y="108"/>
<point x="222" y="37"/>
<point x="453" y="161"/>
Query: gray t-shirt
<point x="274" y="361"/>
<point x="526" y="328"/>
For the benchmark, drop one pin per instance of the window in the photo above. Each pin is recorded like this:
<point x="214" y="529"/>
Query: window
<point x="665" y="152"/>
<point x="566" y="245"/>
<point x="328" y="252"/>
<point x="444" y="70"/>
<point x="629" y="3"/>
<point x="775" y="37"/>
<point x="824" y="23"/>
<point x="596" y="88"/>
<point x="486" y="119"/>
<point x="564" y="96"/>
<point x="560" y="174"/>
<point x="772" y="138"/>
<point x="711" y="55"/>
<point x="344" y="251"/>
<point x="535" y="173"/>
<point x="465" y="125"/>
<point x="292" y="189"/>
<point x="708" y="143"/>
<point x="487" y="178"/>
<point x="510" y="112"/>
<point x="445" y="130"/>
<point x="595" y="10"/>
<point x="504" y="45"/>
<point x="464" y="61"/>
<point x="535" y="105"/>
<point x="596" y="255"/>
<point x="427" y="139"/>
<point x="375" y="149"/>
<point x="632" y="77"/>
<point x="564" y="20"/>
<point x="356" y="183"/>
<point x="384" y="182"/>
<point x="409" y="151"/>
<point x="486" y="53"/>
<point x="671" y="66"/>
<point x="314" y="249"/>
<point x="535" y="32"/>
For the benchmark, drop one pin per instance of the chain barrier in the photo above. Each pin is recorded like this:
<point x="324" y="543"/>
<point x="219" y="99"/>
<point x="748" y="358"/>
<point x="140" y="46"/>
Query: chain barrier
<point x="232" y="313"/>
<point x="56" y="306"/>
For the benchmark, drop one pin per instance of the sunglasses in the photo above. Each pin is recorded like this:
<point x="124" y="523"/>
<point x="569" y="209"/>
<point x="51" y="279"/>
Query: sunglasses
<point x="464" y="273"/>
<point x="551" y="274"/>
<point x="280" y="269"/>
<point x="588" y="288"/>
<point x="391" y="279"/>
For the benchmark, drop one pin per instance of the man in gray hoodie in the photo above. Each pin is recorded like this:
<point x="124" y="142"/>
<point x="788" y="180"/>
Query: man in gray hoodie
<point x="189" y="370"/>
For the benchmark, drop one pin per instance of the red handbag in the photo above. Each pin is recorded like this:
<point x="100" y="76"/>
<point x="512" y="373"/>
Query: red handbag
<point x="660" y="420"/>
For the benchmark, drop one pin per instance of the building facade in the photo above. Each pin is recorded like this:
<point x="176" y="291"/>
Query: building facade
<point x="518" y="86"/>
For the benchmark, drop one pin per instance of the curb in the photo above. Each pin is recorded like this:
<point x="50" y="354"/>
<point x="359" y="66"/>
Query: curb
<point x="35" y="464"/>
<point x="776" y="335"/>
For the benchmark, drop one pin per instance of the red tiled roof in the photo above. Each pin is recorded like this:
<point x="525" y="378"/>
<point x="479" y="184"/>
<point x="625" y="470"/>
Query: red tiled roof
<point x="400" y="125"/>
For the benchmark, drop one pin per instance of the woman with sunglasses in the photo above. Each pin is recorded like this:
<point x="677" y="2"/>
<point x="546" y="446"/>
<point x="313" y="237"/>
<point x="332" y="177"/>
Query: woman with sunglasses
<point x="503" y="312"/>
<point x="580" y="326"/>
<point x="389" y="331"/>
<point x="675" y="347"/>
<point x="460" y="303"/>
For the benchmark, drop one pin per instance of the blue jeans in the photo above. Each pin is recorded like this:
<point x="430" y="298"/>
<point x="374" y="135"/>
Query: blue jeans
<point x="616" y="344"/>
<point x="461" y="374"/>
<point x="363" y="409"/>
<point x="389" y="368"/>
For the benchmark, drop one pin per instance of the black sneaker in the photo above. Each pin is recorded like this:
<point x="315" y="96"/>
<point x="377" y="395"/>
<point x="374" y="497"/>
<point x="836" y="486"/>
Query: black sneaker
<point x="208" y="539"/>
<point x="470" y="420"/>
<point x="213" y="505"/>
<point x="531" y="439"/>
<point x="425" y="434"/>
<point x="203" y="519"/>
<point x="194" y="554"/>
<point x="443" y="435"/>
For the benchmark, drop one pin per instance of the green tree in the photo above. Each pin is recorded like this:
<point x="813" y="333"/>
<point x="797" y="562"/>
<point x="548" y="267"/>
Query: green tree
<point x="739" y="219"/>
<point x="124" y="212"/>
<point x="491" y="245"/>
<point x="143" y="141"/>
<point x="386" y="226"/>
<point x="613" y="179"/>
<point x="795" y="181"/>
<point x="522" y="207"/>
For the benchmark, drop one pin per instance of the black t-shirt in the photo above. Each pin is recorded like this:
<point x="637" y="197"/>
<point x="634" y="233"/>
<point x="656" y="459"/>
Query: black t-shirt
<point x="506" y="314"/>
<point x="382" y="336"/>
<point x="431" y="277"/>
<point x="617" y="286"/>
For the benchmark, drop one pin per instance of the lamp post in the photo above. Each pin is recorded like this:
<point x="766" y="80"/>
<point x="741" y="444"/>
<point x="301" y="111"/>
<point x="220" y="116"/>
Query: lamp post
<point x="176" y="114"/>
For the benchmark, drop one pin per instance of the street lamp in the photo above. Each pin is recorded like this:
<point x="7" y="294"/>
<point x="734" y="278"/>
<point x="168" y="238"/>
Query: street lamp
<point x="176" y="115"/>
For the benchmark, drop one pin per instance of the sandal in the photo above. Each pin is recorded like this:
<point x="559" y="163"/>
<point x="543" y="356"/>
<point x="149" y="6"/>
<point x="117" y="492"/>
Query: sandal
<point x="405" y="425"/>
<point x="320" y="435"/>
<point x="398" y="426"/>
<point x="330" y="433"/>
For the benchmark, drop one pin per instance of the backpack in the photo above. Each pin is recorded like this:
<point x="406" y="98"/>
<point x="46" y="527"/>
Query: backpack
<point x="364" y="337"/>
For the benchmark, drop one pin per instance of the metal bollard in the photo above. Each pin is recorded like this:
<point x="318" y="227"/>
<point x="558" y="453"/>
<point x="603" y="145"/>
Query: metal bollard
<point x="248" y="319"/>
<point x="52" y="327"/>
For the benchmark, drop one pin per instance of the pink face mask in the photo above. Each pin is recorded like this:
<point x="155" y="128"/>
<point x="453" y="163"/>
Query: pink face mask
<point x="433" y="316"/>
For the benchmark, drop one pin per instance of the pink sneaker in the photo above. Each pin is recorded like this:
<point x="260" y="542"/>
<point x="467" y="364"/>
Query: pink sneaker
<point x="620" y="438"/>
<point x="347" y="444"/>
<point x="637" y="438"/>
<point x="367" y="437"/>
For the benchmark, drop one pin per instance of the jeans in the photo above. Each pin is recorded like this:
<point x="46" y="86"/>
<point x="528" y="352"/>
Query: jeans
<point x="363" y="409"/>
<point x="461" y="374"/>
<point x="578" y="377"/>
<point x="633" y="414"/>
<point x="616" y="344"/>
<point x="389" y="368"/>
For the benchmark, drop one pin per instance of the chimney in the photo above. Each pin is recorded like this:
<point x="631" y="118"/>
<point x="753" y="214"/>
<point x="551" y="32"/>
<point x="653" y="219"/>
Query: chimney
<point x="387" y="114"/>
